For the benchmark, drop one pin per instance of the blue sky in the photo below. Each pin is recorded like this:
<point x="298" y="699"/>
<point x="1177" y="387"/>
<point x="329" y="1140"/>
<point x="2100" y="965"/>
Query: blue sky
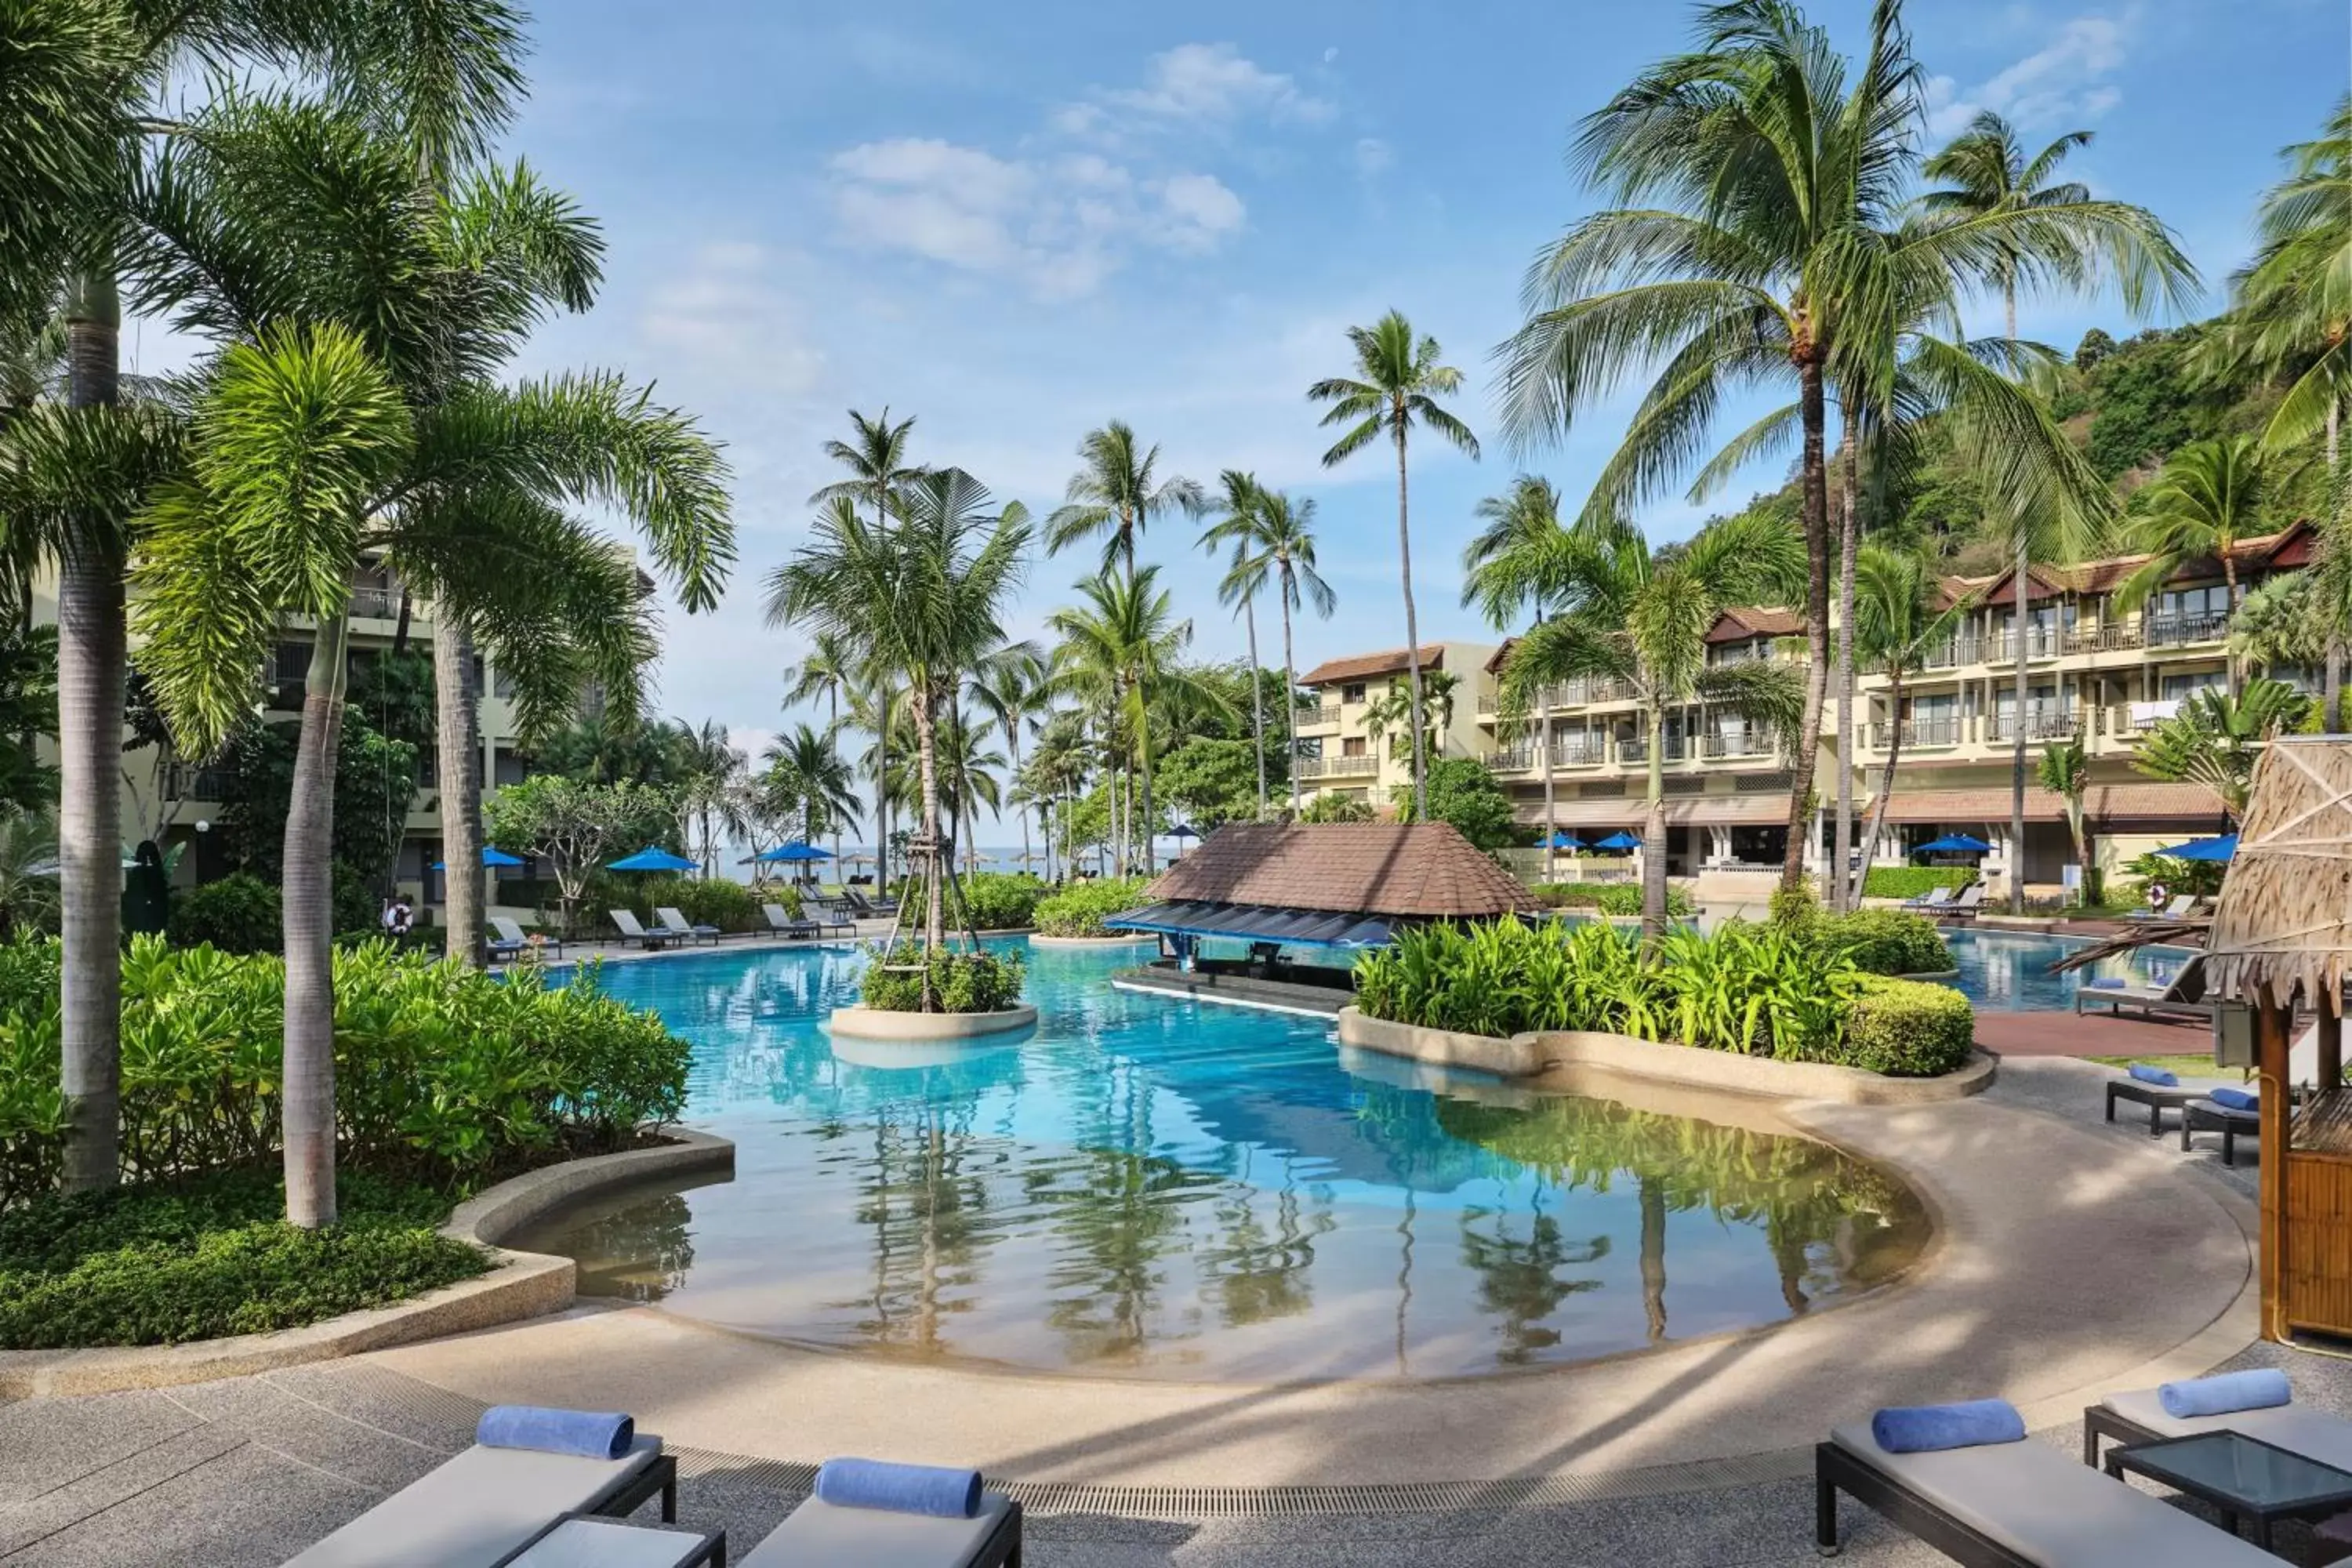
<point x="1018" y="221"/>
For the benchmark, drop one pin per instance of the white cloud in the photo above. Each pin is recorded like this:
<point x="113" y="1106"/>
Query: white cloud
<point x="1373" y="157"/>
<point x="1059" y="225"/>
<point x="726" y="315"/>
<point x="1214" y="84"/>
<point x="2056" y="87"/>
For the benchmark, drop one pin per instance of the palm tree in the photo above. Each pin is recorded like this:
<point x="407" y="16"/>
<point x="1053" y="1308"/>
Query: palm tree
<point x="823" y="672"/>
<point x="1117" y="494"/>
<point x="1397" y="383"/>
<point x="2216" y="736"/>
<point x="878" y="707"/>
<point x="1239" y="501"/>
<point x="1626" y="612"/>
<point x="925" y="591"/>
<point x="968" y="771"/>
<point x="1010" y="689"/>
<point x="2292" y="306"/>
<point x="1764" y="182"/>
<point x="1283" y="551"/>
<point x="807" y="767"/>
<point x="1990" y="175"/>
<point x="1503" y="574"/>
<point x="2065" y="772"/>
<point x="2207" y="501"/>
<point x="1898" y="616"/>
<point x="710" y="798"/>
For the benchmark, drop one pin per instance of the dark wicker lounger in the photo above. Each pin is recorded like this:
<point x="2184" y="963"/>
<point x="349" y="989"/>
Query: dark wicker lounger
<point x="2015" y="1505"/>
<point x="2157" y="1097"/>
<point x="2204" y="1116"/>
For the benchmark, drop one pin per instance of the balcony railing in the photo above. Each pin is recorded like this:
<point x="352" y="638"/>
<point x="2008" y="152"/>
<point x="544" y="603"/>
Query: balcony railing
<point x="2166" y="631"/>
<point x="1323" y="713"/>
<point x="1575" y="752"/>
<point x="375" y="604"/>
<point x="1732" y="743"/>
<point x="1636" y="749"/>
<point x="1921" y="732"/>
<point x="2040" y="724"/>
<point x="1338" y="767"/>
<point x="2040" y="642"/>
<point x="2110" y="639"/>
<point x="2139" y="718"/>
<point x="1952" y="653"/>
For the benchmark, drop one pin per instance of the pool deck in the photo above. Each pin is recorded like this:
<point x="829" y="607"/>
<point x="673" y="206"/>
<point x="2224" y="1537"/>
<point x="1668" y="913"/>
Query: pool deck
<point x="2072" y="1258"/>
<point x="2067" y="1033"/>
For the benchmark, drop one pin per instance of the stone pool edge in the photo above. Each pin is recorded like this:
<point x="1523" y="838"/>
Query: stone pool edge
<point x="519" y="1285"/>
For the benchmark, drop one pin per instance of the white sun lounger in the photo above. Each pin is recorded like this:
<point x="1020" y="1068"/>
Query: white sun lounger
<point x="818" y="1532"/>
<point x="627" y="919"/>
<point x="1933" y="898"/>
<point x="2017" y="1505"/>
<point x="678" y="926"/>
<point x="2139" y="1417"/>
<point x="474" y="1510"/>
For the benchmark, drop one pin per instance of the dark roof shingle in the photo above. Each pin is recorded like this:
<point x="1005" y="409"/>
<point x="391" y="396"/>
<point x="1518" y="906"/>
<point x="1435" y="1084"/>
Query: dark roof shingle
<point x="1426" y="870"/>
<point x="1358" y="666"/>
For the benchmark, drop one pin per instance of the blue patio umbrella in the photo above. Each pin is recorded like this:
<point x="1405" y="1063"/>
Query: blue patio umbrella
<point x="2225" y="848"/>
<point x="1619" y="840"/>
<point x="490" y="857"/>
<point x="1563" y="840"/>
<point x="794" y="853"/>
<point x="1954" y="843"/>
<point x="652" y="857"/>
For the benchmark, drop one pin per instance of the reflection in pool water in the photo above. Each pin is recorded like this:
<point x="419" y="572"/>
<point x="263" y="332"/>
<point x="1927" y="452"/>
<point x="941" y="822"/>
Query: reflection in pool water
<point x="1153" y="1188"/>
<point x="2009" y="972"/>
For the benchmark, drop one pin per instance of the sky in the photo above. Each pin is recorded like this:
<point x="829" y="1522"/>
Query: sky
<point x="1017" y="221"/>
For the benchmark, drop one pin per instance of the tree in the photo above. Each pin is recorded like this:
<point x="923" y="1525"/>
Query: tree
<point x="1117" y="493"/>
<point x="805" y="767"/>
<point x="1209" y="778"/>
<point x="926" y="591"/>
<point x="1283" y="549"/>
<point x="1011" y="689"/>
<point x="710" y="798"/>
<point x="1626" y="612"/>
<point x="574" y="826"/>
<point x="2206" y="503"/>
<point x="2290" y="310"/>
<point x="1761" y="183"/>
<point x="1503" y="573"/>
<point x="2065" y="772"/>
<point x="1240" y="500"/>
<point x="2215" y="738"/>
<point x="1899" y="616"/>
<point x="1463" y="793"/>
<point x="1397" y="383"/>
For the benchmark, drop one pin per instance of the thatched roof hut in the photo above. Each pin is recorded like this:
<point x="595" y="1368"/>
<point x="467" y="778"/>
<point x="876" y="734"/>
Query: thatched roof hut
<point x="2284" y="920"/>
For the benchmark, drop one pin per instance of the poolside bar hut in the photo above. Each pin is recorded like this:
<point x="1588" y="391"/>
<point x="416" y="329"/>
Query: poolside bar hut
<point x="2281" y="939"/>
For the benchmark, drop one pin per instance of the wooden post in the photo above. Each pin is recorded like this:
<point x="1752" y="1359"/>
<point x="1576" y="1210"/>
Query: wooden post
<point x="2274" y="1019"/>
<point x="2330" y="1025"/>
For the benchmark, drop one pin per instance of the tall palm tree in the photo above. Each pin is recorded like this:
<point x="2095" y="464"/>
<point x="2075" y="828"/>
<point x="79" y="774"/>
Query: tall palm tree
<point x="1010" y="689"/>
<point x="1504" y="574"/>
<point x="1628" y="613"/>
<point x="2291" y="308"/>
<point x="823" y="672"/>
<point x="1898" y="616"/>
<point x="877" y="708"/>
<point x="710" y="798"/>
<point x="1762" y="178"/>
<point x="807" y="767"/>
<point x="1286" y="546"/>
<point x="2206" y="503"/>
<point x="1116" y="494"/>
<point x="2064" y="770"/>
<point x="1238" y="500"/>
<point x="927" y="590"/>
<point x="1990" y="176"/>
<point x="1397" y="383"/>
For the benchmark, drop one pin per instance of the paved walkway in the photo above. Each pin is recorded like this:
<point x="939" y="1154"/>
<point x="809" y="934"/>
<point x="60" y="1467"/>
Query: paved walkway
<point x="2091" y="1035"/>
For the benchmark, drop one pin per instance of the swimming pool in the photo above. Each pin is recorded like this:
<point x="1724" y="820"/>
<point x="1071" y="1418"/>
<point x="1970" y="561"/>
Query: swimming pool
<point x="2007" y="972"/>
<point x="1145" y="1188"/>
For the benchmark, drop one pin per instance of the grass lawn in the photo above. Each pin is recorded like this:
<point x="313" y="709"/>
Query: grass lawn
<point x="2186" y="1066"/>
<point x="166" y="1262"/>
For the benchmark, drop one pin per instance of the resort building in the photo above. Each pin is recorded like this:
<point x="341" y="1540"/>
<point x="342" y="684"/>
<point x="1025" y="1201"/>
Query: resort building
<point x="2096" y="670"/>
<point x="1354" y="742"/>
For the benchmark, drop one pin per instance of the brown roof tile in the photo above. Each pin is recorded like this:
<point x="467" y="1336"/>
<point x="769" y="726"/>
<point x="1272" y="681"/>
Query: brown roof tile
<point x="1361" y="665"/>
<point x="1748" y="621"/>
<point x="1428" y="870"/>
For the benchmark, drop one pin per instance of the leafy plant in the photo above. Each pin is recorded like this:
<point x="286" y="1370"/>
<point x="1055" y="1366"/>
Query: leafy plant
<point x="1080" y="909"/>
<point x="239" y="913"/>
<point x="981" y="981"/>
<point x="1904" y="1028"/>
<point x="711" y="901"/>
<point x="1462" y="791"/>
<point x="1884" y="941"/>
<point x="1913" y="882"/>
<point x="1000" y="903"/>
<point x="1336" y="808"/>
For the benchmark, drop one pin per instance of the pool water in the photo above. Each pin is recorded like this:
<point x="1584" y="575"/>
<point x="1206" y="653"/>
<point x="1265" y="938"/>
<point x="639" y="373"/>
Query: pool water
<point x="1148" y="1187"/>
<point x="2002" y="971"/>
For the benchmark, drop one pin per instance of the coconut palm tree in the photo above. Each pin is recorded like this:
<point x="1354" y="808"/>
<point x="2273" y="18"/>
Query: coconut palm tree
<point x="2215" y="738"/>
<point x="1116" y="494"/>
<point x="1285" y="548"/>
<point x="1990" y="176"/>
<point x="1397" y="383"/>
<point x="1503" y="573"/>
<point x="1761" y="180"/>
<point x="823" y="672"/>
<point x="1899" y="615"/>
<point x="926" y="591"/>
<point x="710" y="796"/>
<point x="1628" y="613"/>
<point x="2064" y="770"/>
<point x="2206" y="503"/>
<point x="807" y="767"/>
<point x="1238" y="502"/>
<point x="1011" y="689"/>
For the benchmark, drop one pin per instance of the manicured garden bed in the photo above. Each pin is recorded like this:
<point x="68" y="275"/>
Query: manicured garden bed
<point x="1080" y="909"/>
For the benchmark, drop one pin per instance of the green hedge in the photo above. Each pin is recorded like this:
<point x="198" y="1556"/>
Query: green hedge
<point x="964" y="981"/>
<point x="1884" y="941"/>
<point x="1913" y="881"/>
<point x="1080" y="909"/>
<point x="239" y="913"/>
<point x="712" y="901"/>
<point x="1906" y="1028"/>
<point x="999" y="901"/>
<point x="1615" y="899"/>
<point x="443" y="1075"/>
<point x="167" y="1262"/>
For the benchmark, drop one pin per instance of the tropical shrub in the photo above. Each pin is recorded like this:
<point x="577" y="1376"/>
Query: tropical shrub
<point x="170" y="1261"/>
<point x="1000" y="903"/>
<point x="443" y="1075"/>
<point x="1337" y="808"/>
<point x="1505" y="976"/>
<point x="2202" y="878"/>
<point x="964" y="981"/>
<point x="1884" y="941"/>
<point x="1904" y="1028"/>
<point x="239" y="913"/>
<point x="704" y="901"/>
<point x="1613" y="899"/>
<point x="1913" y="881"/>
<point x="1465" y="792"/>
<point x="1080" y="909"/>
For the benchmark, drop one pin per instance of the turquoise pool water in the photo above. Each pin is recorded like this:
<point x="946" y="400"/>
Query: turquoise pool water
<point x="2006" y="973"/>
<point x="1151" y="1188"/>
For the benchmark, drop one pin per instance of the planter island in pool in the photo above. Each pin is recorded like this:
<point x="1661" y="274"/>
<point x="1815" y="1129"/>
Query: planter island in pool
<point x="879" y="1024"/>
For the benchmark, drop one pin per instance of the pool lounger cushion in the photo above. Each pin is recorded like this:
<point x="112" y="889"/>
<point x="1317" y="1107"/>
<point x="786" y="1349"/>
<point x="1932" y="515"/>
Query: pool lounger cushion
<point x="2139" y="1417"/>
<point x="2018" y="1505"/>
<point x="476" y="1508"/>
<point x="816" y="1533"/>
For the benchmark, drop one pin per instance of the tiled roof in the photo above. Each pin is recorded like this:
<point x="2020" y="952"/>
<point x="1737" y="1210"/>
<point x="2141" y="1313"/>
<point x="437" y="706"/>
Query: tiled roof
<point x="1427" y="871"/>
<point x="1753" y="621"/>
<point x="2176" y="803"/>
<point x="1360" y="667"/>
<point x="2288" y="547"/>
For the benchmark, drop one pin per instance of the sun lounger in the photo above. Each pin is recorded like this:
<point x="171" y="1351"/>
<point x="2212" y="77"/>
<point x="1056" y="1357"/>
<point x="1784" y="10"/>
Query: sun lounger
<point x="879" y="905"/>
<point x="1933" y="898"/>
<point x="2139" y="1417"/>
<point x="630" y="930"/>
<point x="829" y="915"/>
<point x="787" y="925"/>
<point x="511" y="943"/>
<point x="2015" y="1505"/>
<point x="823" y="1532"/>
<point x="2149" y="1001"/>
<point x="2204" y="1116"/>
<point x="2177" y="909"/>
<point x="1963" y="908"/>
<point x="678" y="926"/>
<point x="476" y="1509"/>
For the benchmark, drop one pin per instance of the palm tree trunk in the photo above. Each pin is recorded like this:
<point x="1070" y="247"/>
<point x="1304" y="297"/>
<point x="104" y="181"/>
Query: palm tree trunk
<point x="1815" y="513"/>
<point x="307" y="1094"/>
<point x="1843" y="892"/>
<point x="1150" y="823"/>
<point x="2229" y="581"/>
<point x="91" y="639"/>
<point x="1550" y="795"/>
<point x="1411" y="631"/>
<point x="1257" y="698"/>
<point x="1885" y="780"/>
<point x="833" y="744"/>
<point x="1653" y="830"/>
<point x="457" y="738"/>
<point x="2017" y="753"/>
<point x="1289" y="689"/>
<point x="882" y="795"/>
<point x="1653" y="1202"/>
<point x="919" y="697"/>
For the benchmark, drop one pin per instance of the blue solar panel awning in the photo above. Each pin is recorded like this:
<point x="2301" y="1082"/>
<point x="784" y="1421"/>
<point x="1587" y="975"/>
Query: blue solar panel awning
<point x="1254" y="922"/>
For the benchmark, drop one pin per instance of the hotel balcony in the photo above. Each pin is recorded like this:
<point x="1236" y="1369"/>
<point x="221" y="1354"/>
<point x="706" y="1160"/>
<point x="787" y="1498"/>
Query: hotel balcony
<point x="1322" y="713"/>
<point x="1920" y="733"/>
<point x="2040" y="724"/>
<point x="1576" y="751"/>
<point x="1339" y="767"/>
<point x="1734" y="744"/>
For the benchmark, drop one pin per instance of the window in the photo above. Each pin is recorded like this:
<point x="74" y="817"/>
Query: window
<point x="502" y="686"/>
<point x="2176" y="687"/>
<point x="1353" y="746"/>
<point x="1352" y="692"/>
<point x="2188" y="603"/>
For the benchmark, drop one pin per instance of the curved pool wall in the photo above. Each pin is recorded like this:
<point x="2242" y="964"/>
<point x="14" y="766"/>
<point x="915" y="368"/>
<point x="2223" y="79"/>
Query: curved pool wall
<point x="1145" y="1188"/>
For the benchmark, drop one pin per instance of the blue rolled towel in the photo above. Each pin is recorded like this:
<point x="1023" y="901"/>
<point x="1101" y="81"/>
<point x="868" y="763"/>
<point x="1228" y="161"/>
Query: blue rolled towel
<point x="2259" y="1389"/>
<point x="2158" y="1076"/>
<point x="591" y="1434"/>
<point x="2106" y="985"/>
<point x="2235" y="1099"/>
<point x="930" y="1489"/>
<point x="1925" y="1428"/>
